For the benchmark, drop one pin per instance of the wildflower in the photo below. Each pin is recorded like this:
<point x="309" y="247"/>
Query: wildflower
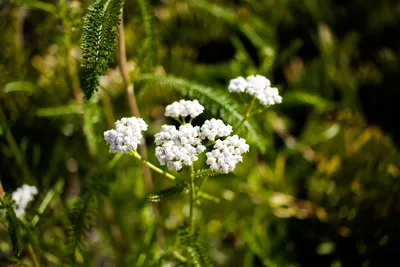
<point x="213" y="128"/>
<point x="184" y="108"/>
<point x="226" y="154"/>
<point x="238" y="84"/>
<point x="22" y="196"/>
<point x="258" y="86"/>
<point x="176" y="148"/>
<point x="126" y="136"/>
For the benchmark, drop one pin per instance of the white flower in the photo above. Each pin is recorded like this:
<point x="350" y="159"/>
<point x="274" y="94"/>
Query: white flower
<point x="258" y="86"/>
<point x="184" y="108"/>
<point x="256" y="83"/>
<point x="226" y="154"/>
<point x="213" y="128"/>
<point x="22" y="196"/>
<point x="269" y="96"/>
<point x="126" y="136"/>
<point x="176" y="148"/>
<point x="238" y="84"/>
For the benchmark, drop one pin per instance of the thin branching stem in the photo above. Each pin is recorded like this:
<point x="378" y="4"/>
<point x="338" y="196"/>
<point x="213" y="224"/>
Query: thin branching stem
<point x="192" y="189"/>
<point x="33" y="256"/>
<point x="248" y="113"/>
<point x="1" y="190"/>
<point x="151" y="166"/>
<point x="19" y="157"/>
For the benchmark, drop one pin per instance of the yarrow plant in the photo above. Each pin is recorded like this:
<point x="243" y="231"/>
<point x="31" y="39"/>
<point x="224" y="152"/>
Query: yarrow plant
<point x="179" y="147"/>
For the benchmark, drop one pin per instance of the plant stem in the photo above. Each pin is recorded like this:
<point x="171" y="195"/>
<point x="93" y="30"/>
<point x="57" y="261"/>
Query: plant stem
<point x="192" y="189"/>
<point x="47" y="200"/>
<point x="123" y="65"/>
<point x="248" y="113"/>
<point x="151" y="166"/>
<point x="33" y="256"/>
<point x="1" y="190"/>
<point x="19" y="157"/>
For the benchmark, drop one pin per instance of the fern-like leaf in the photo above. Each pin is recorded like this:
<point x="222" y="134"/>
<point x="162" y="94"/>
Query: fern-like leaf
<point x="206" y="173"/>
<point x="195" y="248"/>
<point x="218" y="102"/>
<point x="149" y="51"/>
<point x="85" y="211"/>
<point x="13" y="224"/>
<point x="83" y="215"/>
<point x="166" y="193"/>
<point x="98" y="41"/>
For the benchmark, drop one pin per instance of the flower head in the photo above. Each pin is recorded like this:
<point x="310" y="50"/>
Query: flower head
<point x="22" y="196"/>
<point x="213" y="128"/>
<point x="178" y="147"/>
<point x="227" y="153"/>
<point x="126" y="136"/>
<point x="238" y="84"/>
<point x="184" y="108"/>
<point x="258" y="86"/>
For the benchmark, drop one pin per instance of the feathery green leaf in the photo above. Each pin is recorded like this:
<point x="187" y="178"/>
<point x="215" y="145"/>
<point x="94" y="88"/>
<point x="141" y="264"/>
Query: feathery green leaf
<point x="85" y="211"/>
<point x="194" y="245"/>
<point x="166" y="193"/>
<point x="98" y="41"/>
<point x="13" y="224"/>
<point x="149" y="51"/>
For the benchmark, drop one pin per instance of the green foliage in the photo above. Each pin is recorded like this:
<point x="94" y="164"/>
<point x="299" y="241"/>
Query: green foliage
<point x="167" y="193"/>
<point x="148" y="54"/>
<point x="98" y="41"/>
<point x="218" y="102"/>
<point x="194" y="246"/>
<point x="13" y="224"/>
<point x="324" y="187"/>
<point x="34" y="4"/>
<point x="85" y="211"/>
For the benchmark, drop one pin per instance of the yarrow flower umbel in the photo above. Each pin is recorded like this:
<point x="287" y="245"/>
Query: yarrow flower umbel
<point x="258" y="86"/>
<point x="213" y="128"/>
<point x="126" y="136"/>
<point x="22" y="196"/>
<point x="227" y="153"/>
<point x="184" y="108"/>
<point x="178" y="147"/>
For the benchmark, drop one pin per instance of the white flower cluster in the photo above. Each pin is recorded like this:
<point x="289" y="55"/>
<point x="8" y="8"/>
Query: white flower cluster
<point x="184" y="108"/>
<point x="176" y="148"/>
<point x="226" y="154"/>
<point x="126" y="136"/>
<point x="257" y="85"/>
<point x="22" y="196"/>
<point x="213" y="128"/>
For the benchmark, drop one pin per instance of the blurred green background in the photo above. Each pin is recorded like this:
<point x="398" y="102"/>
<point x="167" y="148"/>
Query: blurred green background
<point x="323" y="190"/>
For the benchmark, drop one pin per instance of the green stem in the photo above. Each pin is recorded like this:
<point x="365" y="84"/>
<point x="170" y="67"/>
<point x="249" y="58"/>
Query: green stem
<point x="33" y="256"/>
<point x="19" y="158"/>
<point x="248" y="113"/>
<point x="203" y="182"/>
<point x="41" y="6"/>
<point x="151" y="166"/>
<point x="47" y="200"/>
<point x="192" y="189"/>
